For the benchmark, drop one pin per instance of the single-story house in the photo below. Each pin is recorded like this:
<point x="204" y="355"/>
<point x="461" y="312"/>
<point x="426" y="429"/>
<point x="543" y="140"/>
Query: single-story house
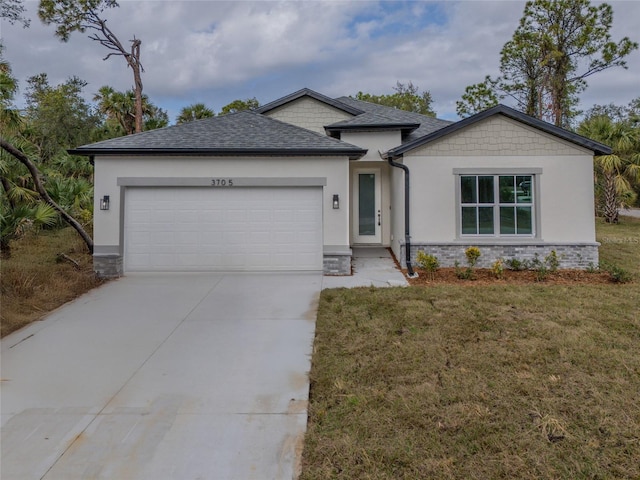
<point x="295" y="184"/>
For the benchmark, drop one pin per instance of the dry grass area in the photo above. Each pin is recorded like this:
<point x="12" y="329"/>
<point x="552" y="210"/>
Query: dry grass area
<point x="499" y="381"/>
<point x="34" y="281"/>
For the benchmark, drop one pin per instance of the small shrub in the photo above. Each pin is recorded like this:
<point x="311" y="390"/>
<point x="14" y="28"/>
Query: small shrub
<point x="498" y="269"/>
<point x="516" y="265"/>
<point x="592" y="268"/>
<point x="552" y="261"/>
<point x="472" y="254"/>
<point x="542" y="272"/>
<point x="464" y="273"/>
<point x="618" y="274"/>
<point x="428" y="262"/>
<point x="540" y="267"/>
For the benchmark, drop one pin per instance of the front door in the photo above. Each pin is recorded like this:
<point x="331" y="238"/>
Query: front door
<point x="367" y="215"/>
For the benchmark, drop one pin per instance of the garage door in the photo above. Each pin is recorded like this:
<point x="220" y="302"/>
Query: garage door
<point x="210" y="229"/>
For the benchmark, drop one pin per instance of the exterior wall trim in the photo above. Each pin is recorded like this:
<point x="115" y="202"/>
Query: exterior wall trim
<point x="207" y="181"/>
<point x="497" y="171"/>
<point x="105" y="250"/>
<point x="337" y="250"/>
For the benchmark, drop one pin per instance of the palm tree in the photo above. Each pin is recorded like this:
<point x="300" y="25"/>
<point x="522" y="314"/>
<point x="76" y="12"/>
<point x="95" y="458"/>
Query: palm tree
<point x="615" y="174"/>
<point x="120" y="110"/>
<point x="118" y="107"/>
<point x="196" y="111"/>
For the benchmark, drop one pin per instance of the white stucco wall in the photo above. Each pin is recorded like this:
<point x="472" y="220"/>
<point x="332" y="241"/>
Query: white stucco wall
<point x="565" y="203"/>
<point x="107" y="224"/>
<point x="309" y="113"/>
<point x="374" y="142"/>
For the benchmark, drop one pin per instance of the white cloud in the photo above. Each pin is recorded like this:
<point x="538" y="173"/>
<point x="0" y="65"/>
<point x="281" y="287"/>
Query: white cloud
<point x="216" y="52"/>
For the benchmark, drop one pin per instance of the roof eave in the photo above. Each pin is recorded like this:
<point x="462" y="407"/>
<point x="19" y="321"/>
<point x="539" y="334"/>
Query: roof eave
<point x="352" y="153"/>
<point x="410" y="127"/>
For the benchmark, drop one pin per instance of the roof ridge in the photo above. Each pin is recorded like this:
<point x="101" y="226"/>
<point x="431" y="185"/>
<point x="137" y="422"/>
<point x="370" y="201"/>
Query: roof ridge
<point x="310" y="93"/>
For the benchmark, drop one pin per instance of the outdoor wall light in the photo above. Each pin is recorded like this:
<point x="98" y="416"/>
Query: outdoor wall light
<point x="104" y="203"/>
<point x="336" y="202"/>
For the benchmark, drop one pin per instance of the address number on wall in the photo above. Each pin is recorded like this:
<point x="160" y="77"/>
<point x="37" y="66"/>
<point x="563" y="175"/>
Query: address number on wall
<point x="222" y="182"/>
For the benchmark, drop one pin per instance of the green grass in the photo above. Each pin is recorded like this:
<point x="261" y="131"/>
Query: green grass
<point x="449" y="382"/>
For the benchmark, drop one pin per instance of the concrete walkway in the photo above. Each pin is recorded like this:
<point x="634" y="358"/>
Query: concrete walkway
<point x="371" y="266"/>
<point x="160" y="377"/>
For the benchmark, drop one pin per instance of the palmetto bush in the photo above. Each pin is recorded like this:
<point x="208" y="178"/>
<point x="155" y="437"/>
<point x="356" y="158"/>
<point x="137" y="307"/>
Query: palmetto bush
<point x="75" y="195"/>
<point x="17" y="221"/>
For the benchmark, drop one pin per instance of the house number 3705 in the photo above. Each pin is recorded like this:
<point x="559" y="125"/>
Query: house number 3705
<point x="222" y="182"/>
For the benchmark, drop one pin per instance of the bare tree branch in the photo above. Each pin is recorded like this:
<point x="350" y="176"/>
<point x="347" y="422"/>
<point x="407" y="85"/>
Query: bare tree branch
<point x="37" y="181"/>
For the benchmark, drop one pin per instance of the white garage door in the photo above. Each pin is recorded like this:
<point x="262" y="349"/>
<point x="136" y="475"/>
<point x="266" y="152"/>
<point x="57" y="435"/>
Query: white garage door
<point x="209" y="229"/>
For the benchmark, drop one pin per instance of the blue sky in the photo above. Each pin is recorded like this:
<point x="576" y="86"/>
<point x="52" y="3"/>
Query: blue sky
<point x="217" y="51"/>
<point x="398" y="18"/>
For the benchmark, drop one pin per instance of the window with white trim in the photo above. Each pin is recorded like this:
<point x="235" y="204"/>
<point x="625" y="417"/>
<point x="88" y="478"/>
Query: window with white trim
<point x="497" y="205"/>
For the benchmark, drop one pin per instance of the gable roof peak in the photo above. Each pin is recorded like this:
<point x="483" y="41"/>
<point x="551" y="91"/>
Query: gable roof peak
<point x="307" y="92"/>
<point x="596" y="147"/>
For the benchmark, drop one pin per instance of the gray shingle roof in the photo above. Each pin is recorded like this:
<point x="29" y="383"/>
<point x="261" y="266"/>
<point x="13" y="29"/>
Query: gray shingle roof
<point x="251" y="133"/>
<point x="242" y="133"/>
<point x="366" y="115"/>
<point x="389" y="116"/>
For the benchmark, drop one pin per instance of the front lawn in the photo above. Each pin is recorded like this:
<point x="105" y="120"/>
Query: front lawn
<point x="480" y="381"/>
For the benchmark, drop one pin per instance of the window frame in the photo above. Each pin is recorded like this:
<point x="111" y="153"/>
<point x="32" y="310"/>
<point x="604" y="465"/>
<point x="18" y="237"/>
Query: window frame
<point x="534" y="173"/>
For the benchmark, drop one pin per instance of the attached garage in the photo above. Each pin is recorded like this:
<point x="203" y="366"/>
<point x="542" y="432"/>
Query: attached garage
<point x="222" y="229"/>
<point x="239" y="192"/>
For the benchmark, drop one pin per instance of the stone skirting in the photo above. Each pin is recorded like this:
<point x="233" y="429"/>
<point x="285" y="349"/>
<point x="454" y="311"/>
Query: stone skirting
<point x="108" y="266"/>
<point x="337" y="263"/>
<point x="334" y="263"/>
<point x="571" y="256"/>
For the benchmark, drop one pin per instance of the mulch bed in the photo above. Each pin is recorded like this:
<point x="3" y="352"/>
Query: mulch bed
<point x="484" y="276"/>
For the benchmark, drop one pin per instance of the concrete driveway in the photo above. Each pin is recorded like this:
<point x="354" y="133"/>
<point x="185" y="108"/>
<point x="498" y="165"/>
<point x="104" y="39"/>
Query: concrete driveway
<point x="172" y="376"/>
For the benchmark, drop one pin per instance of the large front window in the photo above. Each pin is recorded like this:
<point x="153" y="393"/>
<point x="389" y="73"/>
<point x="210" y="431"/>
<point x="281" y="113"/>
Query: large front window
<point x="497" y="205"/>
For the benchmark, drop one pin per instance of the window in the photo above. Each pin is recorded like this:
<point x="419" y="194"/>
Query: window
<point x="497" y="205"/>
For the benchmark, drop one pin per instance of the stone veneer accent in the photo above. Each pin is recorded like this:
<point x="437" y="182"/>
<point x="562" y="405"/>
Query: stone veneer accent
<point x="579" y="256"/>
<point x="108" y="266"/>
<point x="336" y="264"/>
